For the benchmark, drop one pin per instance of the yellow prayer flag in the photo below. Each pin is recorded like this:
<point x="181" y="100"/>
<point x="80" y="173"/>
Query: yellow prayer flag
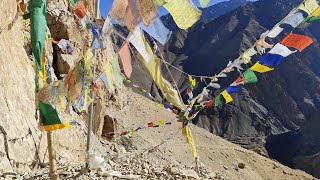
<point x="260" y="68"/>
<point x="309" y="6"/>
<point x="162" y="122"/>
<point x="89" y="59"/>
<point x="316" y="12"/>
<point x="153" y="66"/>
<point x="187" y="132"/>
<point x="108" y="71"/>
<point x="56" y="126"/>
<point x="184" y="12"/>
<point x="227" y="96"/>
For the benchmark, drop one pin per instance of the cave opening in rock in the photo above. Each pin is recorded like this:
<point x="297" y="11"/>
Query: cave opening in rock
<point x="109" y="126"/>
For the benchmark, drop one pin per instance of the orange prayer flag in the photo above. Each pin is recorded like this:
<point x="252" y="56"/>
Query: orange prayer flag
<point x="80" y="11"/>
<point x="296" y="41"/>
<point x="125" y="57"/>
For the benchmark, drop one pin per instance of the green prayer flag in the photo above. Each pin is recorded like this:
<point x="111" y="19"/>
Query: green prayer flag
<point x="312" y="19"/>
<point x="49" y="114"/>
<point x="118" y="79"/>
<point x="249" y="77"/>
<point x="38" y="27"/>
<point x="73" y="2"/>
<point x="217" y="101"/>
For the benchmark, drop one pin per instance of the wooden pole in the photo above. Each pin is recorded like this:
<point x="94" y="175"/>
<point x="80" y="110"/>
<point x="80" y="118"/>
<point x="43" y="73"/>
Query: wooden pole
<point x="197" y="165"/>
<point x="52" y="158"/>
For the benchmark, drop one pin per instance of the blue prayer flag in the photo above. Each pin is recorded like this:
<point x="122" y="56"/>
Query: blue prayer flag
<point x="271" y="59"/>
<point x="232" y="89"/>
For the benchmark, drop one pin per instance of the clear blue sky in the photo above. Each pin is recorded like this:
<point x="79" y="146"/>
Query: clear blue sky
<point x="105" y="6"/>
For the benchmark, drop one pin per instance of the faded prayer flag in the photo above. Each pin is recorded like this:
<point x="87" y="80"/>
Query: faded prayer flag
<point x="184" y="12"/>
<point x="294" y="19"/>
<point x="204" y="3"/>
<point x="137" y="39"/>
<point x="275" y="32"/>
<point x="309" y="6"/>
<point x="147" y="11"/>
<point x="158" y="31"/>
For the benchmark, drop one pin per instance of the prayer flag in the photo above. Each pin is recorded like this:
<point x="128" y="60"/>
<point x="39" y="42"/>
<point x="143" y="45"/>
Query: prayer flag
<point x="271" y="59"/>
<point x="232" y="89"/>
<point x="50" y="118"/>
<point x="217" y="101"/>
<point x="309" y="6"/>
<point x="125" y="57"/>
<point x="153" y="66"/>
<point x="191" y="141"/>
<point x="210" y="103"/>
<point x="147" y="11"/>
<point x="261" y="68"/>
<point x="281" y="50"/>
<point x="80" y="11"/>
<point x="249" y="77"/>
<point x="294" y="19"/>
<point x="275" y="32"/>
<point x="131" y="17"/>
<point x="204" y="3"/>
<point x="296" y="41"/>
<point x="118" y="79"/>
<point x="184" y="12"/>
<point x="137" y="39"/>
<point x="158" y="31"/>
<point x="38" y="27"/>
<point x="162" y="122"/>
<point x="227" y="96"/>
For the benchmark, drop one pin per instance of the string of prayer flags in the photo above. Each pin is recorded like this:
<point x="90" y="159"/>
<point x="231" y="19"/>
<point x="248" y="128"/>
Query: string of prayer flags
<point x="147" y="11"/>
<point x="157" y="30"/>
<point x="137" y="39"/>
<point x="125" y="57"/>
<point x="38" y="27"/>
<point x="309" y="6"/>
<point x="258" y="67"/>
<point x="160" y="123"/>
<point x="275" y="32"/>
<point x="294" y="19"/>
<point x="184" y="12"/>
<point x="50" y="118"/>
<point x="299" y="42"/>
<point x="204" y="3"/>
<point x="226" y="96"/>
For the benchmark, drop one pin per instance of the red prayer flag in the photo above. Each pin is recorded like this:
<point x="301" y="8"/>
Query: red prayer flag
<point x="210" y="103"/>
<point x="296" y="41"/>
<point x="150" y="124"/>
